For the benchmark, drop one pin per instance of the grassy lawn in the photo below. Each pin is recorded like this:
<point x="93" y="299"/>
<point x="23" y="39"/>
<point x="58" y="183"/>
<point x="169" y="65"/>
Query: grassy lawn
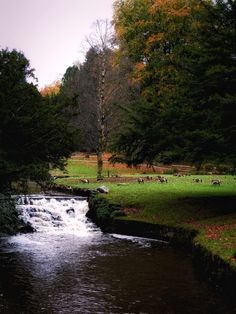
<point x="180" y="202"/>
<point x="75" y="168"/>
<point x="81" y="166"/>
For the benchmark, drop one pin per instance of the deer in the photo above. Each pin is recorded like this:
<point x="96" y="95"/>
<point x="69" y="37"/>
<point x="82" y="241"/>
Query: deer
<point x="140" y="180"/>
<point x="161" y="179"/>
<point x="197" y="180"/>
<point x="84" y="180"/>
<point x="216" y="181"/>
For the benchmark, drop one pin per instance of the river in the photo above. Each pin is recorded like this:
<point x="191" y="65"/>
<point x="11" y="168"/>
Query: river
<point x="69" y="266"/>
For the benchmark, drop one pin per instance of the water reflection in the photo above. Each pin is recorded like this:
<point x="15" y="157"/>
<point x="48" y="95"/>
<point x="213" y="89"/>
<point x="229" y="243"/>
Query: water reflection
<point x="99" y="275"/>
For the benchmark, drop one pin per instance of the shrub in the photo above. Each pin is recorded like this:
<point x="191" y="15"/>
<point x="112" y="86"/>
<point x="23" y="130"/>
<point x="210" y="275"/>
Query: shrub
<point x="101" y="210"/>
<point x="8" y="215"/>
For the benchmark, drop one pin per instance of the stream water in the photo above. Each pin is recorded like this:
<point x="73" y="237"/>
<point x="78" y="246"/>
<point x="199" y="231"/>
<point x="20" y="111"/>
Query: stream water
<point x="69" y="266"/>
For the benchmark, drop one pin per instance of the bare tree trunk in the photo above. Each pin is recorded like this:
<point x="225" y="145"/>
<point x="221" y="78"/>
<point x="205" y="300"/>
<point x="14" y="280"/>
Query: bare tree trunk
<point x="101" y="118"/>
<point x="99" y="165"/>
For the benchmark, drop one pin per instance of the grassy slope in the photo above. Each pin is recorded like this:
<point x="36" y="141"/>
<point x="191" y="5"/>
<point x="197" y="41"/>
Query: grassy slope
<point x="181" y="202"/>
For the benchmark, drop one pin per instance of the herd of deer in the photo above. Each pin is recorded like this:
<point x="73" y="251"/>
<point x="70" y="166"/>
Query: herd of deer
<point x="162" y="179"/>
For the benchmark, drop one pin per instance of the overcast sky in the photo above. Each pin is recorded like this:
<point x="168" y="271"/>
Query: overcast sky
<point x="49" y="32"/>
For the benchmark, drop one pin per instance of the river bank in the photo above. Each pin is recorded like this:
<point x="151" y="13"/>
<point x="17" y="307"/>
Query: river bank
<point x="181" y="203"/>
<point x="210" y="266"/>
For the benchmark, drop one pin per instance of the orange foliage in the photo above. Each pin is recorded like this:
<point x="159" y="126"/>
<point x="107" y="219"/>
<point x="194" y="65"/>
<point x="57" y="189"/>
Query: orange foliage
<point x="185" y="11"/>
<point x="142" y="23"/>
<point x="154" y="38"/>
<point x="138" y="72"/>
<point x="170" y="7"/>
<point x="139" y="66"/>
<point x="52" y="89"/>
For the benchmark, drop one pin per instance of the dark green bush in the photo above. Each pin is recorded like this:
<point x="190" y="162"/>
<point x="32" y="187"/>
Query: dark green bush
<point x="102" y="210"/>
<point x="8" y="215"/>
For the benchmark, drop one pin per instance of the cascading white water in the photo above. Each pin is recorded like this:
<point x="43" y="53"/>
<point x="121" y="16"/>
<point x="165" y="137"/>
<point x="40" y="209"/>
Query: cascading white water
<point x="55" y="215"/>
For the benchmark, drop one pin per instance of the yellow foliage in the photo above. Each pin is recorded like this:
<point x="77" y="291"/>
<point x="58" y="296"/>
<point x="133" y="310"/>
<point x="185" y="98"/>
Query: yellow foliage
<point x="195" y="25"/>
<point x="120" y="31"/>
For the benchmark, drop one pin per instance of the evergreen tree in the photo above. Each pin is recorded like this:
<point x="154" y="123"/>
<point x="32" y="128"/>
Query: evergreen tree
<point x="35" y="134"/>
<point x="184" y="59"/>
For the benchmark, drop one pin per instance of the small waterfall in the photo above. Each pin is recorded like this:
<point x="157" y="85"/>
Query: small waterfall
<point x="59" y="214"/>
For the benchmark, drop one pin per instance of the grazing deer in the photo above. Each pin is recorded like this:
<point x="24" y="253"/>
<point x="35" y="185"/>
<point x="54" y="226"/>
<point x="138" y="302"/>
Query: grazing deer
<point x="84" y="180"/>
<point x="140" y="180"/>
<point x="161" y="179"/>
<point x="216" y="181"/>
<point x="115" y="175"/>
<point x="197" y="180"/>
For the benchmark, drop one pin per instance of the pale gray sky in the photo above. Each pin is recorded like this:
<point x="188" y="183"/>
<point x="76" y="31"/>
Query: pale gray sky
<point x="49" y="32"/>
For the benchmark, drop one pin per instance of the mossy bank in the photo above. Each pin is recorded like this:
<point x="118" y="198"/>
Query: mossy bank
<point x="9" y="221"/>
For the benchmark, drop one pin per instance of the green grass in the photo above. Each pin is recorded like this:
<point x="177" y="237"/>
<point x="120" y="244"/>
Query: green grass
<point x="77" y="169"/>
<point x="209" y="209"/>
<point x="179" y="201"/>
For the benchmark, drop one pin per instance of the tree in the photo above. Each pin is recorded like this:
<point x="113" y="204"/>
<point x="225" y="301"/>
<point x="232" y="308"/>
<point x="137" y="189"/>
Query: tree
<point x="101" y="41"/>
<point x="216" y="74"/>
<point x="80" y="82"/>
<point x="35" y="133"/>
<point x="52" y="89"/>
<point x="94" y="84"/>
<point x="183" y="55"/>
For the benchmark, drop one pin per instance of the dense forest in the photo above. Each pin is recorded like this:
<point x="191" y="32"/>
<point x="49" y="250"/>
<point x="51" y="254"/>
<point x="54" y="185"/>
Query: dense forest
<point x="158" y="85"/>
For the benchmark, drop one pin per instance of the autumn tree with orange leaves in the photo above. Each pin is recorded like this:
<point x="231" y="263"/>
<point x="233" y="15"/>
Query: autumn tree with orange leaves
<point x="52" y="89"/>
<point x="183" y="58"/>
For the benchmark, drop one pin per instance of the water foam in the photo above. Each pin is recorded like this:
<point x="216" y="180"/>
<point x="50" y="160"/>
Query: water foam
<point x="51" y="215"/>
